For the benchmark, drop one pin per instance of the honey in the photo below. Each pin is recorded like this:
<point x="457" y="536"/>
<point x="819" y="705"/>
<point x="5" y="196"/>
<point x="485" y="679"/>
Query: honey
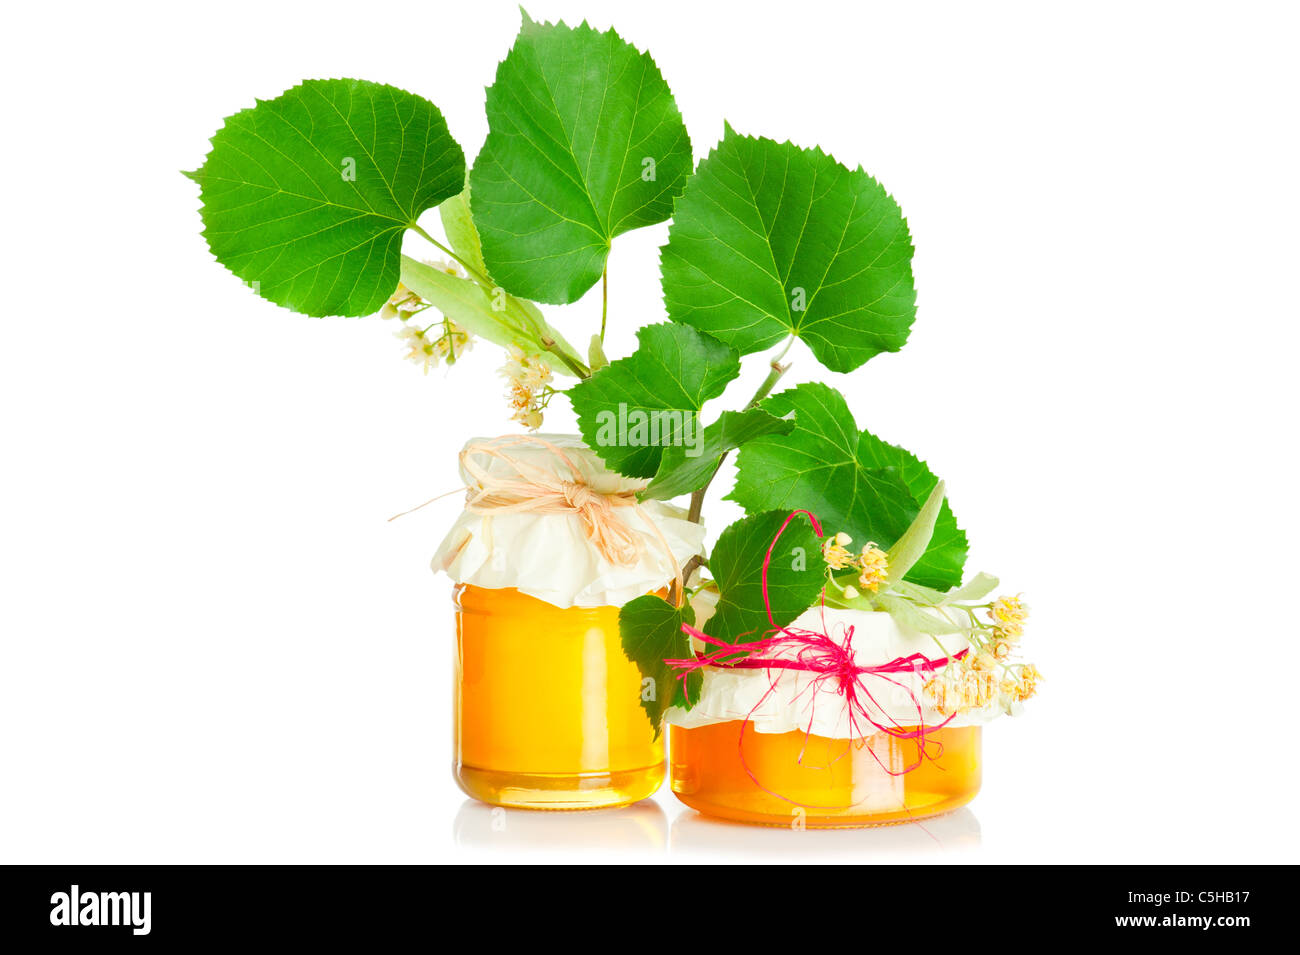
<point x="826" y="783"/>
<point x="547" y="706"/>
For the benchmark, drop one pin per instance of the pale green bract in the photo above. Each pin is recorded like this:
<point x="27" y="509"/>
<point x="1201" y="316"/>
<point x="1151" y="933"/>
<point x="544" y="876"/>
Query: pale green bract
<point x="494" y="314"/>
<point x="911" y="547"/>
<point x="470" y="306"/>
<point x="585" y="142"/>
<point x="461" y="232"/>
<point x="306" y="196"/>
<point x="771" y="240"/>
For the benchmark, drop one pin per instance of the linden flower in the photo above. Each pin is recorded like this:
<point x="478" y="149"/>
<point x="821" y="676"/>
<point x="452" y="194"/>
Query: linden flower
<point x="936" y="694"/>
<point x="402" y="304"/>
<point x="971" y="684"/>
<point x="527" y="391"/>
<point x="979" y="688"/>
<point x="448" y="267"/>
<point x="835" y="551"/>
<point x="445" y="341"/>
<point x="418" y="348"/>
<point x="453" y="343"/>
<point x="1029" y="677"/>
<point x="874" y="563"/>
<point x="1008" y="611"/>
<point x="1008" y="616"/>
<point x="1001" y="649"/>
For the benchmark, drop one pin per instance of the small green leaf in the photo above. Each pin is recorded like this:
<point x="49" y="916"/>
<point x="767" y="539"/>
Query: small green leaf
<point x="306" y="196"/>
<point x="584" y="143"/>
<point x="853" y="481"/>
<point x="685" y="469"/>
<point x="651" y="630"/>
<point x="770" y="240"/>
<point x="795" y="576"/>
<point x="634" y="408"/>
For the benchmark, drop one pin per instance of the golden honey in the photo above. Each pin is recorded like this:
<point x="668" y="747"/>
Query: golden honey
<point x="826" y="783"/>
<point x="547" y="707"/>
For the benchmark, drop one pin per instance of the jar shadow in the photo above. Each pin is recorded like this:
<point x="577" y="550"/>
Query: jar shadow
<point x="640" y="827"/>
<point x="953" y="832"/>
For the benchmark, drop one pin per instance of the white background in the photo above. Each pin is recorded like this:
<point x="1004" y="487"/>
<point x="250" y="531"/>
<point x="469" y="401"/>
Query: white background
<point x="216" y="649"/>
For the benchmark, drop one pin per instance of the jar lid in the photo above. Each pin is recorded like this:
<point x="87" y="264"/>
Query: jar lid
<point x="551" y="552"/>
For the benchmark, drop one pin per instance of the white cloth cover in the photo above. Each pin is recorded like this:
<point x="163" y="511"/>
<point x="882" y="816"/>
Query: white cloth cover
<point x="548" y="556"/>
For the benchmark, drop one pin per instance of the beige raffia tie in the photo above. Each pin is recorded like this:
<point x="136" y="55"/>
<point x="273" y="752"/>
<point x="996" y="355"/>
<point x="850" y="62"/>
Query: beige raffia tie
<point x="541" y="491"/>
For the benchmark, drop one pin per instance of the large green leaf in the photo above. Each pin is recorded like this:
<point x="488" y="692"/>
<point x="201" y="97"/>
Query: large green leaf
<point x="770" y="240"/>
<point x="853" y="481"/>
<point x="683" y="470"/>
<point x="795" y="576"/>
<point x="634" y="408"/>
<point x="306" y="196"/>
<point x="584" y="143"/>
<point x="651" y="630"/>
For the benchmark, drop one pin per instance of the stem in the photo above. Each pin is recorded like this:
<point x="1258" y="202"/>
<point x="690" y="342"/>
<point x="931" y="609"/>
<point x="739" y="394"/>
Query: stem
<point x="773" y="376"/>
<point x="473" y="272"/>
<point x="604" y="302"/>
<point x="548" y="344"/>
<point x="777" y="370"/>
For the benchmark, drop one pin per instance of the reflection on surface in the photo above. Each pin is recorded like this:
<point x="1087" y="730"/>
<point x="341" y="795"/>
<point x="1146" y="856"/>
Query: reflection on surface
<point x="641" y="827"/>
<point x="693" y="832"/>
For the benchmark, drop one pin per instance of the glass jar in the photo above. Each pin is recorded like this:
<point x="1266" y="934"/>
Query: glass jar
<point x="547" y="706"/>
<point x="826" y="783"/>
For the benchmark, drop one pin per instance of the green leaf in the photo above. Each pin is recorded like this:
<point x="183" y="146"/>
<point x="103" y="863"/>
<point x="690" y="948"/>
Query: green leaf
<point x="795" y="577"/>
<point x="584" y="143"/>
<point x="770" y="240"/>
<point x="651" y="630"/>
<point x="306" y="196"/>
<point x="633" y="408"/>
<point x="683" y="470"/>
<point x="853" y="481"/>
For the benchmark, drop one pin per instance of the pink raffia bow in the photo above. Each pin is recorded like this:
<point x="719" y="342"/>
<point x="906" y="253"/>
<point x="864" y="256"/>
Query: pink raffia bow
<point x="835" y="665"/>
